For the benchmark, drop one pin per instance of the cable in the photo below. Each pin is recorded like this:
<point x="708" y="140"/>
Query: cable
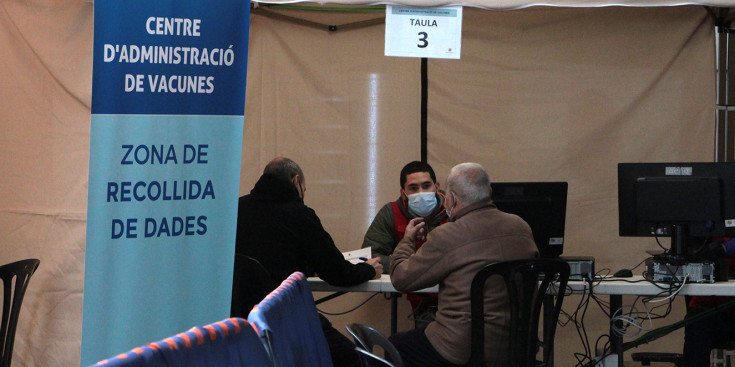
<point x="683" y="283"/>
<point x="350" y="310"/>
<point x="627" y="321"/>
<point x="639" y="264"/>
<point x="581" y="330"/>
<point x="622" y="322"/>
<point x="666" y="250"/>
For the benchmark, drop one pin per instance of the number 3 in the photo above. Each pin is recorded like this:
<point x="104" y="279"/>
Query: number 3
<point x="422" y="40"/>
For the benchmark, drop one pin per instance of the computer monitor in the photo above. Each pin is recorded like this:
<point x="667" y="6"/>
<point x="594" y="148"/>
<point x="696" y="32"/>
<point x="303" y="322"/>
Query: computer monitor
<point x="681" y="200"/>
<point x="543" y="205"/>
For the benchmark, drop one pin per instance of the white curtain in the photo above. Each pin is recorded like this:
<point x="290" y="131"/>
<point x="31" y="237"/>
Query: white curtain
<point x="539" y="94"/>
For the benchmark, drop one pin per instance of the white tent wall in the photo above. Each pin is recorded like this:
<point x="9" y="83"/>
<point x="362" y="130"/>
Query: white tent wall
<point x="566" y="94"/>
<point x="45" y="92"/>
<point x="539" y="94"/>
<point x="518" y="4"/>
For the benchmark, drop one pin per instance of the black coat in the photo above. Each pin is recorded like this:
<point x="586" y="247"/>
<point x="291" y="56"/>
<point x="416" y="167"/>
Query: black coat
<point x="277" y="229"/>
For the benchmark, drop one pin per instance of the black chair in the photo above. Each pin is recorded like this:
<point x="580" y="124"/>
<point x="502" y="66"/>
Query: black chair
<point x="251" y="282"/>
<point x="368" y="359"/>
<point x="646" y="358"/>
<point x="530" y="285"/>
<point x="17" y="273"/>
<point x="366" y="339"/>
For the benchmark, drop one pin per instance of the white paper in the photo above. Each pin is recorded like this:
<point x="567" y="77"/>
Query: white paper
<point x="356" y="255"/>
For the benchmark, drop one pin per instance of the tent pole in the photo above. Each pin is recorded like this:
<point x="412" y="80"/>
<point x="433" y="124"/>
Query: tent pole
<point x="424" y="104"/>
<point x="725" y="113"/>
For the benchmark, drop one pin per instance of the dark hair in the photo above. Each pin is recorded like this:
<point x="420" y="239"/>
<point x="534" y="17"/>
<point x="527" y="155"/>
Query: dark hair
<point x="414" y="167"/>
<point x="284" y="168"/>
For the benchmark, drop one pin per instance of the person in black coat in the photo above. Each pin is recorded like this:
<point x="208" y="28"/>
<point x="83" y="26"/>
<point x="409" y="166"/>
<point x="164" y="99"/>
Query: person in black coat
<point x="275" y="227"/>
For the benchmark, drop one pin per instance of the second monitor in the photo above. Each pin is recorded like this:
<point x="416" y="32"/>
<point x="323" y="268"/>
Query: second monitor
<point x="543" y="205"/>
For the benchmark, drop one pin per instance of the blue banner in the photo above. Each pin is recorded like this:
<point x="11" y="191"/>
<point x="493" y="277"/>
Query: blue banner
<point x="168" y="100"/>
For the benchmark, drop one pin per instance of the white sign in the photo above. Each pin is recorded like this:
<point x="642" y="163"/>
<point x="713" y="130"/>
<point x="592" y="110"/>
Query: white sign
<point x="423" y="32"/>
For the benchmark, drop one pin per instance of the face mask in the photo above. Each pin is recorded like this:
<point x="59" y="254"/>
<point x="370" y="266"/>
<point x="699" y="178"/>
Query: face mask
<point x="422" y="203"/>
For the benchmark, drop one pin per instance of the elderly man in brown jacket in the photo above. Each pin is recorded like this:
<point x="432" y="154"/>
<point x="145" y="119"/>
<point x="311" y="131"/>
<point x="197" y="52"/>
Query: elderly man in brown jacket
<point x="477" y="234"/>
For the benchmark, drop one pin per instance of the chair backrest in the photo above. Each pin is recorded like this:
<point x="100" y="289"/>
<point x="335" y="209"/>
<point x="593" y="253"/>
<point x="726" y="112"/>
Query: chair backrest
<point x="13" y="293"/>
<point x="231" y="342"/>
<point x="369" y="359"/>
<point x="367" y="338"/>
<point x="251" y="282"/>
<point x="527" y="283"/>
<point x="287" y="321"/>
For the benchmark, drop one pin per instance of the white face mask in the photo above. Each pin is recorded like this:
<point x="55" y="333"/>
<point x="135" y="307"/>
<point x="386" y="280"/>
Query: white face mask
<point x="422" y="204"/>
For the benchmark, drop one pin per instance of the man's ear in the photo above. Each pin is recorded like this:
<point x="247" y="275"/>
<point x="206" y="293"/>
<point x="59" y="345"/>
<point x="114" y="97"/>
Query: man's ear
<point x="296" y="181"/>
<point x="403" y="195"/>
<point x="438" y="186"/>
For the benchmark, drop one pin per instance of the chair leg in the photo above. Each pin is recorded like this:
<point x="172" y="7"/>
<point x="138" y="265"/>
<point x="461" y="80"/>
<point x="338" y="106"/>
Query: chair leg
<point x="718" y="359"/>
<point x="728" y="357"/>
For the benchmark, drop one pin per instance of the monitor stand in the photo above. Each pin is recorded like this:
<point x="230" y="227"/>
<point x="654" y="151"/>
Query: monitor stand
<point x="676" y="266"/>
<point x="678" y="241"/>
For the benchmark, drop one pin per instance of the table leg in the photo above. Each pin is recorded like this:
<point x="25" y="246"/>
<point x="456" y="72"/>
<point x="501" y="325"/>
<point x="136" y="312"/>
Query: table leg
<point x="393" y="313"/>
<point x="616" y="342"/>
<point x="548" y="309"/>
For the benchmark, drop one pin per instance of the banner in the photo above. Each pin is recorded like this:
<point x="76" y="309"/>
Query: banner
<point x="168" y="101"/>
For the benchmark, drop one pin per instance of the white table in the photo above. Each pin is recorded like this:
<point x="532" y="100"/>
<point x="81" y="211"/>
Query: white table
<point x="638" y="286"/>
<point x="382" y="285"/>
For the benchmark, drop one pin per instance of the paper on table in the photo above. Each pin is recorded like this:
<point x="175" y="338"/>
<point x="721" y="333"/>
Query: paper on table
<point x="355" y="255"/>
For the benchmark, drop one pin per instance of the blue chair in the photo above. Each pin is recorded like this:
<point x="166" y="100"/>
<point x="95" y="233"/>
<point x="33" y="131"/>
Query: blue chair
<point x="288" y="323"/>
<point x="231" y="342"/>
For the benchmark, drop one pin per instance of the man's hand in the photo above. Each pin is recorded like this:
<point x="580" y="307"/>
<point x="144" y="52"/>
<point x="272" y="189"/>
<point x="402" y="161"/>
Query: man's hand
<point x="375" y="263"/>
<point x="416" y="229"/>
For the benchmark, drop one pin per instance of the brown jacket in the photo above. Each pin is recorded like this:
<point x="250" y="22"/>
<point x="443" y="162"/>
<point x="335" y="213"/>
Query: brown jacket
<point x="477" y="235"/>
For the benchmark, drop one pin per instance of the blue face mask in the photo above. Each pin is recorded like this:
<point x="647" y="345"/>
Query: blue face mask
<point x="422" y="204"/>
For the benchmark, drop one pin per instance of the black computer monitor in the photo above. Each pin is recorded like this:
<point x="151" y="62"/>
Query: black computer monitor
<point x="681" y="200"/>
<point x="543" y="205"/>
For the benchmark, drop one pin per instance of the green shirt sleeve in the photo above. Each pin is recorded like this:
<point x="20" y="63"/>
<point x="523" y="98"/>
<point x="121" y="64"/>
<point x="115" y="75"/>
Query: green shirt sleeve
<point x="380" y="235"/>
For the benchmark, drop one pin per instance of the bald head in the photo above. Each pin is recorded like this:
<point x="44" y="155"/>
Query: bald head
<point x="469" y="182"/>
<point x="284" y="168"/>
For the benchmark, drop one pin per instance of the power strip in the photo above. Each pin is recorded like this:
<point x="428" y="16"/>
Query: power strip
<point x="610" y="360"/>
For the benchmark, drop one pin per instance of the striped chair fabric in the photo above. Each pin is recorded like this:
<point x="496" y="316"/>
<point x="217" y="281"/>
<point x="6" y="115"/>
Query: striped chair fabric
<point x="231" y="342"/>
